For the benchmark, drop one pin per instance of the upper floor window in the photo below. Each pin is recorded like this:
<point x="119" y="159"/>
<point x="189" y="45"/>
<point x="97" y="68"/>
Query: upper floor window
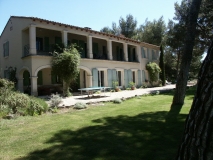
<point x="6" y="49"/>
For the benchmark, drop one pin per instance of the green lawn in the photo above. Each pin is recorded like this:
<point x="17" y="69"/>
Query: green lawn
<point x="135" y="129"/>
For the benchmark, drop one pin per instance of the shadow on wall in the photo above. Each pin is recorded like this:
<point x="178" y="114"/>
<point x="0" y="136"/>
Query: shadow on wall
<point x="145" y="136"/>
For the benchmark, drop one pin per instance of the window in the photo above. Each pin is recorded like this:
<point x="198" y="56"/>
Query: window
<point x="143" y="76"/>
<point x="6" y="49"/>
<point x="119" y="77"/>
<point x="133" y="76"/>
<point x="100" y="78"/>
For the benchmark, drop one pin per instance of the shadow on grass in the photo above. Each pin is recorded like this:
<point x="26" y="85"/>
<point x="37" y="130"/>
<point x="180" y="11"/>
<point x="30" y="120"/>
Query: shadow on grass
<point x="144" y="136"/>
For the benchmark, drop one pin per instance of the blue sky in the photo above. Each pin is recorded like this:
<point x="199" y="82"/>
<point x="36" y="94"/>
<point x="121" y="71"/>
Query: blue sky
<point x="95" y="14"/>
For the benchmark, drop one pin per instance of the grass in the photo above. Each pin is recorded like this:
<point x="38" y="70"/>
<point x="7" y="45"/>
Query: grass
<point x="134" y="129"/>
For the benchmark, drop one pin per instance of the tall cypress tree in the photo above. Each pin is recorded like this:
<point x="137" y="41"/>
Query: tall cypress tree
<point x="162" y="66"/>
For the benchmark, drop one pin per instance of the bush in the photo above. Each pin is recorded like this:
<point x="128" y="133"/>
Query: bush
<point x="117" y="100"/>
<point x="16" y="103"/>
<point x="55" y="100"/>
<point x="6" y="84"/>
<point x="80" y="105"/>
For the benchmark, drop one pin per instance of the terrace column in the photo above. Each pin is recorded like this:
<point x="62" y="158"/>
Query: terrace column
<point x="89" y="42"/>
<point x="64" y="37"/>
<point x="109" y="49"/>
<point x="32" y="38"/>
<point x="125" y="52"/>
<point x="34" y="90"/>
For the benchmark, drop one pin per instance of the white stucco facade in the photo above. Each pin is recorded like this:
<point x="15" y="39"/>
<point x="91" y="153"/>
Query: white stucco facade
<point x="26" y="44"/>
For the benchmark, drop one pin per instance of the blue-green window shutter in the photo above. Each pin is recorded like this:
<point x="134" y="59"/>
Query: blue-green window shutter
<point x="130" y="75"/>
<point x="109" y="77"/>
<point x="153" y="54"/>
<point x="126" y="79"/>
<point x="143" y="76"/>
<point x="95" y="77"/>
<point x="40" y="78"/>
<point x="143" y="52"/>
<point x="26" y="80"/>
<point x="139" y="78"/>
<point x="114" y="75"/>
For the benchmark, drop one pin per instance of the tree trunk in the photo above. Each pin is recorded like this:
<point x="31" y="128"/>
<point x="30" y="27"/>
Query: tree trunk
<point x="180" y="91"/>
<point x="66" y="92"/>
<point x="197" y="142"/>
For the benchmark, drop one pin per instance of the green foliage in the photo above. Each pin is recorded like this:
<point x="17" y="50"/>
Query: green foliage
<point x="12" y="102"/>
<point x="80" y="105"/>
<point x="117" y="100"/>
<point x="131" y="84"/>
<point x="12" y="74"/>
<point x="152" y="32"/>
<point x="5" y="84"/>
<point x="128" y="26"/>
<point x="65" y="65"/>
<point x="162" y="66"/>
<point x="55" y="100"/>
<point x="153" y="70"/>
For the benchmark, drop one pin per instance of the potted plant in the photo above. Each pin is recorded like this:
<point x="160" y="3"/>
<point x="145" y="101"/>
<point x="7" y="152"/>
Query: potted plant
<point x="132" y="85"/>
<point x="115" y="86"/>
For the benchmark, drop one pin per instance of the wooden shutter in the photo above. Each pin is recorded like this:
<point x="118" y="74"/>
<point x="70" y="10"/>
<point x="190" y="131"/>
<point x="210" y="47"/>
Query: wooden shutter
<point x="94" y="77"/>
<point x="130" y="75"/>
<point x="139" y="78"/>
<point x="126" y="80"/>
<point x="114" y="75"/>
<point x="109" y="77"/>
<point x="40" y="78"/>
<point x="143" y="76"/>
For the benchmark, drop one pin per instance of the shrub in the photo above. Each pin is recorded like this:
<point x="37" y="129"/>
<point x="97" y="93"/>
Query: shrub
<point x="42" y="103"/>
<point x="4" y="110"/>
<point x="6" y="84"/>
<point x="55" y="100"/>
<point x="80" y="105"/>
<point x="117" y="100"/>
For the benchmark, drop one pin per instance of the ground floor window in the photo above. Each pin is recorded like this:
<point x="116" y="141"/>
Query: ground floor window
<point x="119" y="77"/>
<point x="133" y="76"/>
<point x="100" y="78"/>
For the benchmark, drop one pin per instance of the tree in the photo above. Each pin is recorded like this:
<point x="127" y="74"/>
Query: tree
<point x="180" y="90"/>
<point x="128" y="26"/>
<point x="152" y="32"/>
<point x="162" y="66"/>
<point x="65" y="65"/>
<point x="197" y="141"/>
<point x="153" y="70"/>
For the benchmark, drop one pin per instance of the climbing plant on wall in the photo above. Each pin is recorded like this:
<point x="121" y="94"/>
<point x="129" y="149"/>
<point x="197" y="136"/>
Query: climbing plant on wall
<point x="153" y="70"/>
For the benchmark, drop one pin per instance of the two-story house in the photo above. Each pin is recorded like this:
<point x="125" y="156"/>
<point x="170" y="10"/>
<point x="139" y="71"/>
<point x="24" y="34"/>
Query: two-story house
<point x="26" y="44"/>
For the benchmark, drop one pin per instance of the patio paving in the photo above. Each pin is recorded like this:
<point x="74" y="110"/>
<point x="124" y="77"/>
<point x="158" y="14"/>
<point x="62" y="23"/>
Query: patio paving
<point x="109" y="96"/>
